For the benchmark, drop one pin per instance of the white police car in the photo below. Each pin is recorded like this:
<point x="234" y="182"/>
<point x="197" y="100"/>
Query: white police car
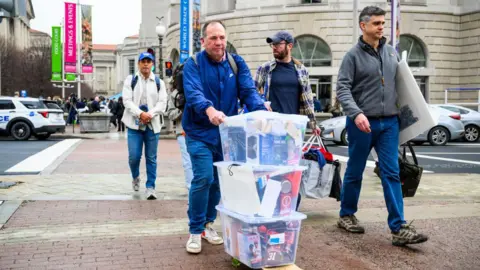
<point x="24" y="117"/>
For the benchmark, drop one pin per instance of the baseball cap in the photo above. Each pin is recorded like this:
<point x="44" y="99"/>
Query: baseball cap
<point x="146" y="55"/>
<point x="280" y="36"/>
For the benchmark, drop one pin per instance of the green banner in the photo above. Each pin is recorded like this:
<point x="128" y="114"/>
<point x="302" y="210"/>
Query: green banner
<point x="56" y="53"/>
<point x="70" y="77"/>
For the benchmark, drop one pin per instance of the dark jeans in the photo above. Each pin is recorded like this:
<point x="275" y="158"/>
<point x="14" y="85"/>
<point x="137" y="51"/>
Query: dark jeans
<point x="205" y="188"/>
<point x="384" y="138"/>
<point x="120" y="124"/>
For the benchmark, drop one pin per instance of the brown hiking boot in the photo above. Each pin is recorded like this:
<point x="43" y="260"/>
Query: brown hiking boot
<point x="350" y="224"/>
<point x="407" y="236"/>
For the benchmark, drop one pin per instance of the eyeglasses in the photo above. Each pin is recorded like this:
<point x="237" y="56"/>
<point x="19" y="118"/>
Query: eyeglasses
<point x="276" y="45"/>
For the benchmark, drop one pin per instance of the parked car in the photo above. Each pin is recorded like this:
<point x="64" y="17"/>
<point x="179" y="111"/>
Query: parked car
<point x="469" y="118"/>
<point x="23" y="117"/>
<point x="449" y="128"/>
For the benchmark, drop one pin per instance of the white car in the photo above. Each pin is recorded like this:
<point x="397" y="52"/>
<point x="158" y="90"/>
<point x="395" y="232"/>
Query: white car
<point x="449" y="128"/>
<point x="23" y="117"/>
<point x="469" y="118"/>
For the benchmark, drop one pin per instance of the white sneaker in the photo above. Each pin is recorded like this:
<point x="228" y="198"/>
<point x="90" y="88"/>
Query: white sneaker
<point x="194" y="243"/>
<point x="136" y="184"/>
<point x="211" y="235"/>
<point x="151" y="195"/>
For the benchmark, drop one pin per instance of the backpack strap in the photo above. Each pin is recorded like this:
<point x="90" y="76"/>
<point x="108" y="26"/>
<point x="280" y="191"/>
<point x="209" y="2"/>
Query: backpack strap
<point x="134" y="82"/>
<point x="233" y="64"/>
<point x="157" y="81"/>
<point x="135" y="79"/>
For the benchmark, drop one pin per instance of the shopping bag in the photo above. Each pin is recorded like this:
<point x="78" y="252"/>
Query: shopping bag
<point x="317" y="182"/>
<point x="410" y="171"/>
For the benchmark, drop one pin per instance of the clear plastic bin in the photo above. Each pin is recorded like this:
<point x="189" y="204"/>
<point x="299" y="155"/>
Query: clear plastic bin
<point x="259" y="190"/>
<point x="261" y="242"/>
<point x="263" y="137"/>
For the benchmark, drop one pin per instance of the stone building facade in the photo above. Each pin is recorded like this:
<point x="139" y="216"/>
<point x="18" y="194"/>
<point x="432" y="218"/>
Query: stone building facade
<point x="441" y="37"/>
<point x="105" y="69"/>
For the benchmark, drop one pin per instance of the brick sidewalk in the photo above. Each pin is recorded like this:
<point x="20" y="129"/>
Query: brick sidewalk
<point x="152" y="235"/>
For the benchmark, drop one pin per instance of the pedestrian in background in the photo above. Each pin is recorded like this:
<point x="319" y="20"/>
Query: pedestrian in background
<point x="144" y="107"/>
<point x="175" y="114"/>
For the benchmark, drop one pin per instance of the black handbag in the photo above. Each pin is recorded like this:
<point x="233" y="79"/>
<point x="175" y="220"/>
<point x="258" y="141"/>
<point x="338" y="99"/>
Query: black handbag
<point x="336" y="190"/>
<point x="410" y="172"/>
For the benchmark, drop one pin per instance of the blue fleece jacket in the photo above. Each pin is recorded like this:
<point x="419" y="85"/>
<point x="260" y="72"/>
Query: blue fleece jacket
<point x="214" y="84"/>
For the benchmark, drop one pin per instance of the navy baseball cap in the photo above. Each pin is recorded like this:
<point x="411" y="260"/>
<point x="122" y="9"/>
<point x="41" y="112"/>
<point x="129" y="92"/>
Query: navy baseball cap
<point x="145" y="55"/>
<point x="280" y="36"/>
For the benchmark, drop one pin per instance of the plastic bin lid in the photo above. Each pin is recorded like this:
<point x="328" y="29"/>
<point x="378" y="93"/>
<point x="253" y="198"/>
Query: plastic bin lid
<point x="260" y="220"/>
<point x="268" y="169"/>
<point x="260" y="115"/>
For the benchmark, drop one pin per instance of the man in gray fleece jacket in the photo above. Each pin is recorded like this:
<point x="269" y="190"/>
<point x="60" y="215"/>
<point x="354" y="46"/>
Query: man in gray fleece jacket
<point x="366" y="90"/>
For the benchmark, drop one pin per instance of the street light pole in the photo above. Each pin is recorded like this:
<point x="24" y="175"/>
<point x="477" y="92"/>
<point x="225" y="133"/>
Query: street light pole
<point x="160" y="29"/>
<point x="160" y="57"/>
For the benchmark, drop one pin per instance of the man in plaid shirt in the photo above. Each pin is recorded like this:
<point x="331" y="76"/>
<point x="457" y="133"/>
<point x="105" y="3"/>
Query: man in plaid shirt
<point x="283" y="82"/>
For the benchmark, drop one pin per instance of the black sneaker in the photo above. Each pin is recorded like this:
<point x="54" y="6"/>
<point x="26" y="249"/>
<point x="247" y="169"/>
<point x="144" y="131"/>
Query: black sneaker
<point x="407" y="236"/>
<point x="350" y="224"/>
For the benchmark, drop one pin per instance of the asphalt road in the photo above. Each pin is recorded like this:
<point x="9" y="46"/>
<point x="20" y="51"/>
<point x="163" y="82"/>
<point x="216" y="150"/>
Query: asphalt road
<point x="455" y="157"/>
<point x="13" y="152"/>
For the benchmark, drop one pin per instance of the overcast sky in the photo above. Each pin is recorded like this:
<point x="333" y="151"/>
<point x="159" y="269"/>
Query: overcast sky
<point x="113" y="20"/>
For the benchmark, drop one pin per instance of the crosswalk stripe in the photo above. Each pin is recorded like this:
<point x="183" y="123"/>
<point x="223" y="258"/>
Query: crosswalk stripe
<point x="39" y="161"/>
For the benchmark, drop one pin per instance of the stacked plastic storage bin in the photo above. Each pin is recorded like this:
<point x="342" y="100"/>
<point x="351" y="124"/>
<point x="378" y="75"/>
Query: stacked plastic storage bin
<point x="259" y="181"/>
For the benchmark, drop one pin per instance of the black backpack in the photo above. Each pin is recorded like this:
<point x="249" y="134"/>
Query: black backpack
<point x="179" y="99"/>
<point x="135" y="79"/>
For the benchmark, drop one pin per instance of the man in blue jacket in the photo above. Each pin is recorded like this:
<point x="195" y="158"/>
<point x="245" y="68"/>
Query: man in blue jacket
<point x="211" y="91"/>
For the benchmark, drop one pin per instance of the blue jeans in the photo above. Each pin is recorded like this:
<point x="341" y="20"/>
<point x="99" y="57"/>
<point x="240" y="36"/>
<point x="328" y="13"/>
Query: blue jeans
<point x="187" y="164"/>
<point x="384" y="138"/>
<point x="205" y="189"/>
<point x="136" y="140"/>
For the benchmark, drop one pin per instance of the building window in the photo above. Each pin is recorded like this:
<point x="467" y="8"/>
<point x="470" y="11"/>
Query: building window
<point x="131" y="66"/>
<point x="416" y="55"/>
<point x="422" y="84"/>
<point x="322" y="88"/>
<point x="231" y="49"/>
<point x="312" y="51"/>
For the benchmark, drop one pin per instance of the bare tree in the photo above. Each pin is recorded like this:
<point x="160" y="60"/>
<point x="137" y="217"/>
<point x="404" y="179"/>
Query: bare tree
<point x="30" y="69"/>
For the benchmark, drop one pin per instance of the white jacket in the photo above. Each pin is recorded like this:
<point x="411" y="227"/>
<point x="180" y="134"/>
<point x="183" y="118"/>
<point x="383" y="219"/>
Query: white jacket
<point x="156" y="101"/>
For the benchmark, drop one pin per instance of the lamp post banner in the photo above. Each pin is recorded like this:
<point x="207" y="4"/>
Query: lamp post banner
<point x="197" y="46"/>
<point x="184" y="30"/>
<point x="56" y="53"/>
<point x="87" y="59"/>
<point x="70" y="48"/>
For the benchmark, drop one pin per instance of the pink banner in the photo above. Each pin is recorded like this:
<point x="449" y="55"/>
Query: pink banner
<point x="70" y="46"/>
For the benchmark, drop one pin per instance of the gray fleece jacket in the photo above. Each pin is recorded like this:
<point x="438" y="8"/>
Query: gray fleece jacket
<point x="366" y="80"/>
<point x="174" y="113"/>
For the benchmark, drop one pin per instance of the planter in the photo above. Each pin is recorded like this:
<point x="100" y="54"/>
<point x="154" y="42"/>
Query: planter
<point x="94" y="122"/>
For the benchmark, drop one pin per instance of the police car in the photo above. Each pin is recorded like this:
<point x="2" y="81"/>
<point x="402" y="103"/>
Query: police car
<point x="23" y="117"/>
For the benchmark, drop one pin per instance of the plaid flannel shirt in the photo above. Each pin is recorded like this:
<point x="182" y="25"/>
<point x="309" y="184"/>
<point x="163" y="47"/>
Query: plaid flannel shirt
<point x="264" y="76"/>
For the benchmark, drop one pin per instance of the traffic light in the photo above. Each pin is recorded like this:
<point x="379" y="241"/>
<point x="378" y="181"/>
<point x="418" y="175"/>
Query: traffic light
<point x="168" y="68"/>
<point x="152" y="52"/>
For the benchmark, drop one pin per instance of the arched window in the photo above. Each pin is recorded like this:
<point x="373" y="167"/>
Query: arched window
<point x="416" y="55"/>
<point x="230" y="48"/>
<point x="312" y="51"/>
<point x="175" y="57"/>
